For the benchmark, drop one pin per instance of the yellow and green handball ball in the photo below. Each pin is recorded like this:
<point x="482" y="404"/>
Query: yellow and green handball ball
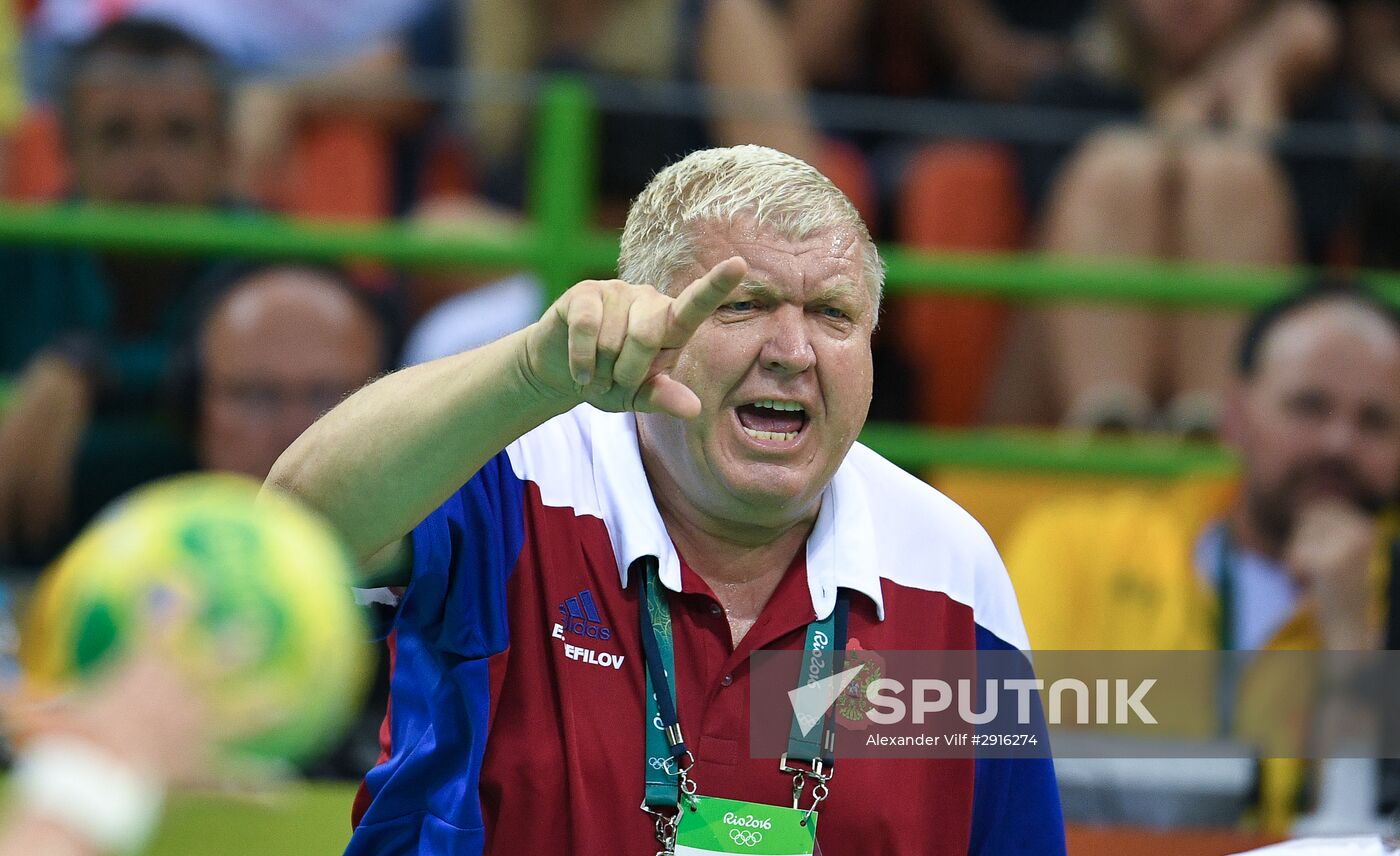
<point x="250" y="595"/>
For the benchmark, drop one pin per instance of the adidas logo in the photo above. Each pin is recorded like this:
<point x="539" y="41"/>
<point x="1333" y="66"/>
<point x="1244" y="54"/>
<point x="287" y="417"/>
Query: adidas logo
<point x="581" y="617"/>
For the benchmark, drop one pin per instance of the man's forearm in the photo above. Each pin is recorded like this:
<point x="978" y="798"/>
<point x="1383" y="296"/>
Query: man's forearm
<point x="388" y="455"/>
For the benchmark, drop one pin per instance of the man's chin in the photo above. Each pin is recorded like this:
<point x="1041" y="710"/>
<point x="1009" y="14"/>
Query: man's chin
<point x="769" y="492"/>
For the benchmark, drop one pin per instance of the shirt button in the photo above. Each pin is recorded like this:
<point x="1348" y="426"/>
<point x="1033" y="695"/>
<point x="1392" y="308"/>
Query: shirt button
<point x="716" y="609"/>
<point x="726" y="680"/>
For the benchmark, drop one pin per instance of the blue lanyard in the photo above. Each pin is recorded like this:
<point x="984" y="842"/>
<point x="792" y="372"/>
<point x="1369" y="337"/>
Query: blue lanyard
<point x="665" y="745"/>
<point x="1229" y="674"/>
<point x="1225" y="590"/>
<point x="666" y="750"/>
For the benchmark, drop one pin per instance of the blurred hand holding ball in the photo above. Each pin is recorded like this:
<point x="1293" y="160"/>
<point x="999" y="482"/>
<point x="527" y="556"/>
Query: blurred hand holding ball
<point x="248" y="596"/>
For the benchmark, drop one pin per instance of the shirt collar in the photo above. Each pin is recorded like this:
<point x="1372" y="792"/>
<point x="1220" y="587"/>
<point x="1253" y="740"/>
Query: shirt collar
<point x="840" y="551"/>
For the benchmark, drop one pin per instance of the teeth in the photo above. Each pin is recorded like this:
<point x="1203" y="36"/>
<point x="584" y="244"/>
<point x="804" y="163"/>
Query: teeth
<point x="778" y="405"/>
<point x="771" y="435"/>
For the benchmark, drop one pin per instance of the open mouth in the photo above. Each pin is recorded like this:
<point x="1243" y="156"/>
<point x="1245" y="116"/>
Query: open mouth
<point x="772" y="420"/>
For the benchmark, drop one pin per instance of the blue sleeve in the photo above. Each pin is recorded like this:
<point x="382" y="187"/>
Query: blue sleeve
<point x="463" y="554"/>
<point x="1015" y="801"/>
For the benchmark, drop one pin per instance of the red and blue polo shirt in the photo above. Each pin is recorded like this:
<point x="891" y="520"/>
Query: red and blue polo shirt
<point x="516" y="707"/>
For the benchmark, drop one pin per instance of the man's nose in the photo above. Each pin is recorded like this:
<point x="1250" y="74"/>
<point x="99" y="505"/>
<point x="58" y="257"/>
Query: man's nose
<point x="148" y="185"/>
<point x="1340" y="435"/>
<point x="787" y="349"/>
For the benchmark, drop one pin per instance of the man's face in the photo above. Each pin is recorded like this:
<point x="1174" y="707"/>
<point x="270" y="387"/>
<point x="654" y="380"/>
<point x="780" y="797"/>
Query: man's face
<point x="277" y="354"/>
<point x="147" y="135"/>
<point x="1320" y="419"/>
<point x="783" y="373"/>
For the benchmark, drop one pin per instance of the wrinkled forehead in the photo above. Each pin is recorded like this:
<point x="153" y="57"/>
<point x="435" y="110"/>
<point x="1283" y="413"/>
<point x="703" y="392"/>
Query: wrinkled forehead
<point x="792" y="266"/>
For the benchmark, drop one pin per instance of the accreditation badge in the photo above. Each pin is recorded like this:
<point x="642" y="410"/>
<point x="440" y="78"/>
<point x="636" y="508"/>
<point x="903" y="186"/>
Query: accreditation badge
<point x="713" y="825"/>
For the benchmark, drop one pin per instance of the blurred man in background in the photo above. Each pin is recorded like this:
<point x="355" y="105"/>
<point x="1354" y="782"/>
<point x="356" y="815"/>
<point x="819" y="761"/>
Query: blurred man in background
<point x="1301" y="558"/>
<point x="144" y="119"/>
<point x="281" y="346"/>
<point x="1315" y="417"/>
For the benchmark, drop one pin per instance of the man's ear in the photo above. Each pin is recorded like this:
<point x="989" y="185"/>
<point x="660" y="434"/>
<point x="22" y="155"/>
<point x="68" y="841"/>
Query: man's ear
<point x="1234" y="421"/>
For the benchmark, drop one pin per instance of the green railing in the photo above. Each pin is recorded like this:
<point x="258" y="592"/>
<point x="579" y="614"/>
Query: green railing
<point x="918" y="448"/>
<point x="561" y="245"/>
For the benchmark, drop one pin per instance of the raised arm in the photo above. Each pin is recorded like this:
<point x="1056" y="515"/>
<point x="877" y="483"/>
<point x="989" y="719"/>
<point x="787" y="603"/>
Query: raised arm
<point x="388" y="455"/>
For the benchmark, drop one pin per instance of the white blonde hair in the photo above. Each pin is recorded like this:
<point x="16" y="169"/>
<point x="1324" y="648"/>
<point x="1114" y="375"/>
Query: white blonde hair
<point x="779" y="191"/>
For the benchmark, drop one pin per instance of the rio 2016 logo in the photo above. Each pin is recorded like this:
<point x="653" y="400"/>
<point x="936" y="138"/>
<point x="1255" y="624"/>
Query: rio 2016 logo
<point x="732" y="819"/>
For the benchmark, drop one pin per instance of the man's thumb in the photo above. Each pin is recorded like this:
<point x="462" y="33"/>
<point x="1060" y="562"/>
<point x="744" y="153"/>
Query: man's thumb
<point x="665" y="394"/>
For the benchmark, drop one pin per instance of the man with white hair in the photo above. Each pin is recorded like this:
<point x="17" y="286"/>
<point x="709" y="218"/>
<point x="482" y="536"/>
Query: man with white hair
<point x="599" y="519"/>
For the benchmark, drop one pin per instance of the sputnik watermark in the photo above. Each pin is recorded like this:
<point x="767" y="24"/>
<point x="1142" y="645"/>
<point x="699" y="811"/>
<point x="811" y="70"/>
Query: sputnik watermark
<point x="1114" y="701"/>
<point x="1118" y="704"/>
<point x="933" y="696"/>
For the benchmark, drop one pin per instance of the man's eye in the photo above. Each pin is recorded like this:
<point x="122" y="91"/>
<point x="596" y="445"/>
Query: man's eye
<point x="833" y="312"/>
<point x="1377" y="420"/>
<point x="741" y="306"/>
<point x="182" y="131"/>
<point x="115" y="133"/>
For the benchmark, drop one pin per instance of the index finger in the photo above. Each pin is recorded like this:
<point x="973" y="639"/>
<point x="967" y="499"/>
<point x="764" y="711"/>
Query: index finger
<point x="704" y="296"/>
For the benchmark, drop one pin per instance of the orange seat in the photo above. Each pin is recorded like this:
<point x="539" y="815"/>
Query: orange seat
<point x="955" y="196"/>
<point x="37" y="166"/>
<point x="448" y="170"/>
<point x="339" y="169"/>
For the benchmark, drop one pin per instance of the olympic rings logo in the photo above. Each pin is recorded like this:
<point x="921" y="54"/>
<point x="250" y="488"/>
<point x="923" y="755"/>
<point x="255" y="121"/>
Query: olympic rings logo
<point x="745" y="837"/>
<point x="658" y="763"/>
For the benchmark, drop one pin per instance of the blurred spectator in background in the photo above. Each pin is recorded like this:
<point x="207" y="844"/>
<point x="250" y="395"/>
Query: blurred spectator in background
<point x="998" y="48"/>
<point x="1300" y="560"/>
<point x="297" y="61"/>
<point x="982" y="49"/>
<point x="1314" y="413"/>
<point x="1201" y="87"/>
<point x="731" y="45"/>
<point x="282" y="345"/>
<point x="938" y="194"/>
<point x="144" y="121"/>
<point x="475" y="318"/>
